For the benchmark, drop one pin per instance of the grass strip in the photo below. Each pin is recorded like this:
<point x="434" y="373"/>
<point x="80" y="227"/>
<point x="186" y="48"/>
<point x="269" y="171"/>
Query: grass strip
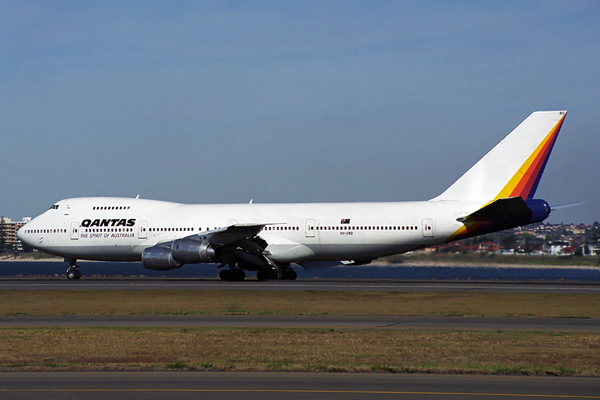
<point x="264" y="349"/>
<point x="95" y="302"/>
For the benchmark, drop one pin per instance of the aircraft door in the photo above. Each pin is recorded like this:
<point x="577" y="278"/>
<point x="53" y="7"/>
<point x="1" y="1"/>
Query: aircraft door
<point x="74" y="230"/>
<point x="143" y="230"/>
<point x="428" y="227"/>
<point x="310" y="228"/>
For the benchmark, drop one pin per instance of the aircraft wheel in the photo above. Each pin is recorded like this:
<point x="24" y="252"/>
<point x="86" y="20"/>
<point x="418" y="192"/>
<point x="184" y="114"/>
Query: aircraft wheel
<point x="72" y="274"/>
<point x="238" y="275"/>
<point x="290" y="275"/>
<point x="226" y="275"/>
<point x="262" y="275"/>
<point x="77" y="274"/>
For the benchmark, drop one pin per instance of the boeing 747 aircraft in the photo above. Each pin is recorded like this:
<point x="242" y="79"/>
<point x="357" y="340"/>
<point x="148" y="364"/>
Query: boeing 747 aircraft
<point x="496" y="193"/>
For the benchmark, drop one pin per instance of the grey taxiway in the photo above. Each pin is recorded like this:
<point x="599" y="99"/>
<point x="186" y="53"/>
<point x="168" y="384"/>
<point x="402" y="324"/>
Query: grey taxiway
<point x="88" y="283"/>
<point x="286" y="385"/>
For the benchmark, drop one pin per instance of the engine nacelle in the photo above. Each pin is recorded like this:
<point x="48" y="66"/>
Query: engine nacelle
<point x="159" y="258"/>
<point x="192" y="251"/>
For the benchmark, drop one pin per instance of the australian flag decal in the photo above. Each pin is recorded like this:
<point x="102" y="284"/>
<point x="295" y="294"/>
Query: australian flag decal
<point x="345" y="221"/>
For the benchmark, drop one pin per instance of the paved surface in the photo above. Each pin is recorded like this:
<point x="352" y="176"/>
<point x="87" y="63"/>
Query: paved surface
<point x="276" y="385"/>
<point x="308" y="321"/>
<point x="317" y="285"/>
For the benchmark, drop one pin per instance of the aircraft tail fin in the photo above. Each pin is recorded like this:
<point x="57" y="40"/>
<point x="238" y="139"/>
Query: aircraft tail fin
<point x="513" y="168"/>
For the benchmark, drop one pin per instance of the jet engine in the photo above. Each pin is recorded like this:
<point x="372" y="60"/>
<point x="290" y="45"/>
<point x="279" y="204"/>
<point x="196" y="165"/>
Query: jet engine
<point x="159" y="258"/>
<point x="192" y="251"/>
<point x="181" y="251"/>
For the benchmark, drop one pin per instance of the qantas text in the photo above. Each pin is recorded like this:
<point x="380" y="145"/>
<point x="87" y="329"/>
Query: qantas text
<point x="88" y="223"/>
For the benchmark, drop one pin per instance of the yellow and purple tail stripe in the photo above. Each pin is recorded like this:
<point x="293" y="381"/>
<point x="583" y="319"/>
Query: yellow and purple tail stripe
<point x="525" y="182"/>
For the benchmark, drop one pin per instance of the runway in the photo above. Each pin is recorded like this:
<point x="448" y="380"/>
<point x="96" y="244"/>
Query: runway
<point x="284" y="385"/>
<point x="309" y="321"/>
<point x="299" y="285"/>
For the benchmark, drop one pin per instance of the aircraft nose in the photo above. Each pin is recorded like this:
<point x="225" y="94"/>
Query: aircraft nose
<point x="21" y="233"/>
<point x="23" y="236"/>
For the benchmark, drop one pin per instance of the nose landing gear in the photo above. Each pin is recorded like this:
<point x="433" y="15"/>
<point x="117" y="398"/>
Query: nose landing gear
<point x="73" y="272"/>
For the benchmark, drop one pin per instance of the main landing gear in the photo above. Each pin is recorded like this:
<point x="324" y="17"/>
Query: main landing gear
<point x="232" y="275"/>
<point x="73" y="272"/>
<point x="286" y="273"/>
<point x="238" y="274"/>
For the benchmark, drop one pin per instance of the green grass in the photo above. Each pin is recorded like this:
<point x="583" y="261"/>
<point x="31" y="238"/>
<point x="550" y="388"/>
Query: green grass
<point x="105" y="302"/>
<point x="333" y="350"/>
<point x="265" y="349"/>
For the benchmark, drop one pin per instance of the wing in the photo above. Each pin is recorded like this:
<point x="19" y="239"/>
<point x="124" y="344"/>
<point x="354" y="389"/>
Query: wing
<point x="232" y="233"/>
<point x="237" y="243"/>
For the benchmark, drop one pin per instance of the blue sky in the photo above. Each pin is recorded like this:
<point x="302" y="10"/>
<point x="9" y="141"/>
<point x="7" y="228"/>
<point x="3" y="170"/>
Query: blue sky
<point x="288" y="101"/>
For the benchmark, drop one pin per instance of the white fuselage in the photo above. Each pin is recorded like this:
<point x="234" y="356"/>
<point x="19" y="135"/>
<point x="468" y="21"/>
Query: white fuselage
<point x="494" y="194"/>
<point x="119" y="229"/>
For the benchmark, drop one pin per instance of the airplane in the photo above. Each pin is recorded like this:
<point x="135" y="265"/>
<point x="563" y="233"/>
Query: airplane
<point x="496" y="193"/>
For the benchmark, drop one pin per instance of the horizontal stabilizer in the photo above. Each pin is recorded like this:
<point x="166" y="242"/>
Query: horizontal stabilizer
<point x="501" y="209"/>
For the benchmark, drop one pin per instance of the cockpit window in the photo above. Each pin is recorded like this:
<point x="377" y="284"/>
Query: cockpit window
<point x="54" y="207"/>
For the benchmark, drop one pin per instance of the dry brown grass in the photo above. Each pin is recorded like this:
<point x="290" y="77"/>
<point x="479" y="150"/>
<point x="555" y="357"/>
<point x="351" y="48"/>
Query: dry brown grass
<point x="300" y="350"/>
<point x="299" y="302"/>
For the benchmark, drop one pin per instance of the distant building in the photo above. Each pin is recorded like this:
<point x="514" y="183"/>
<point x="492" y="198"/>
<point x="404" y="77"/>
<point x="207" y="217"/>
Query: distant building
<point x="8" y="231"/>
<point x="488" y="247"/>
<point x="594" y="249"/>
<point x="555" y="248"/>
